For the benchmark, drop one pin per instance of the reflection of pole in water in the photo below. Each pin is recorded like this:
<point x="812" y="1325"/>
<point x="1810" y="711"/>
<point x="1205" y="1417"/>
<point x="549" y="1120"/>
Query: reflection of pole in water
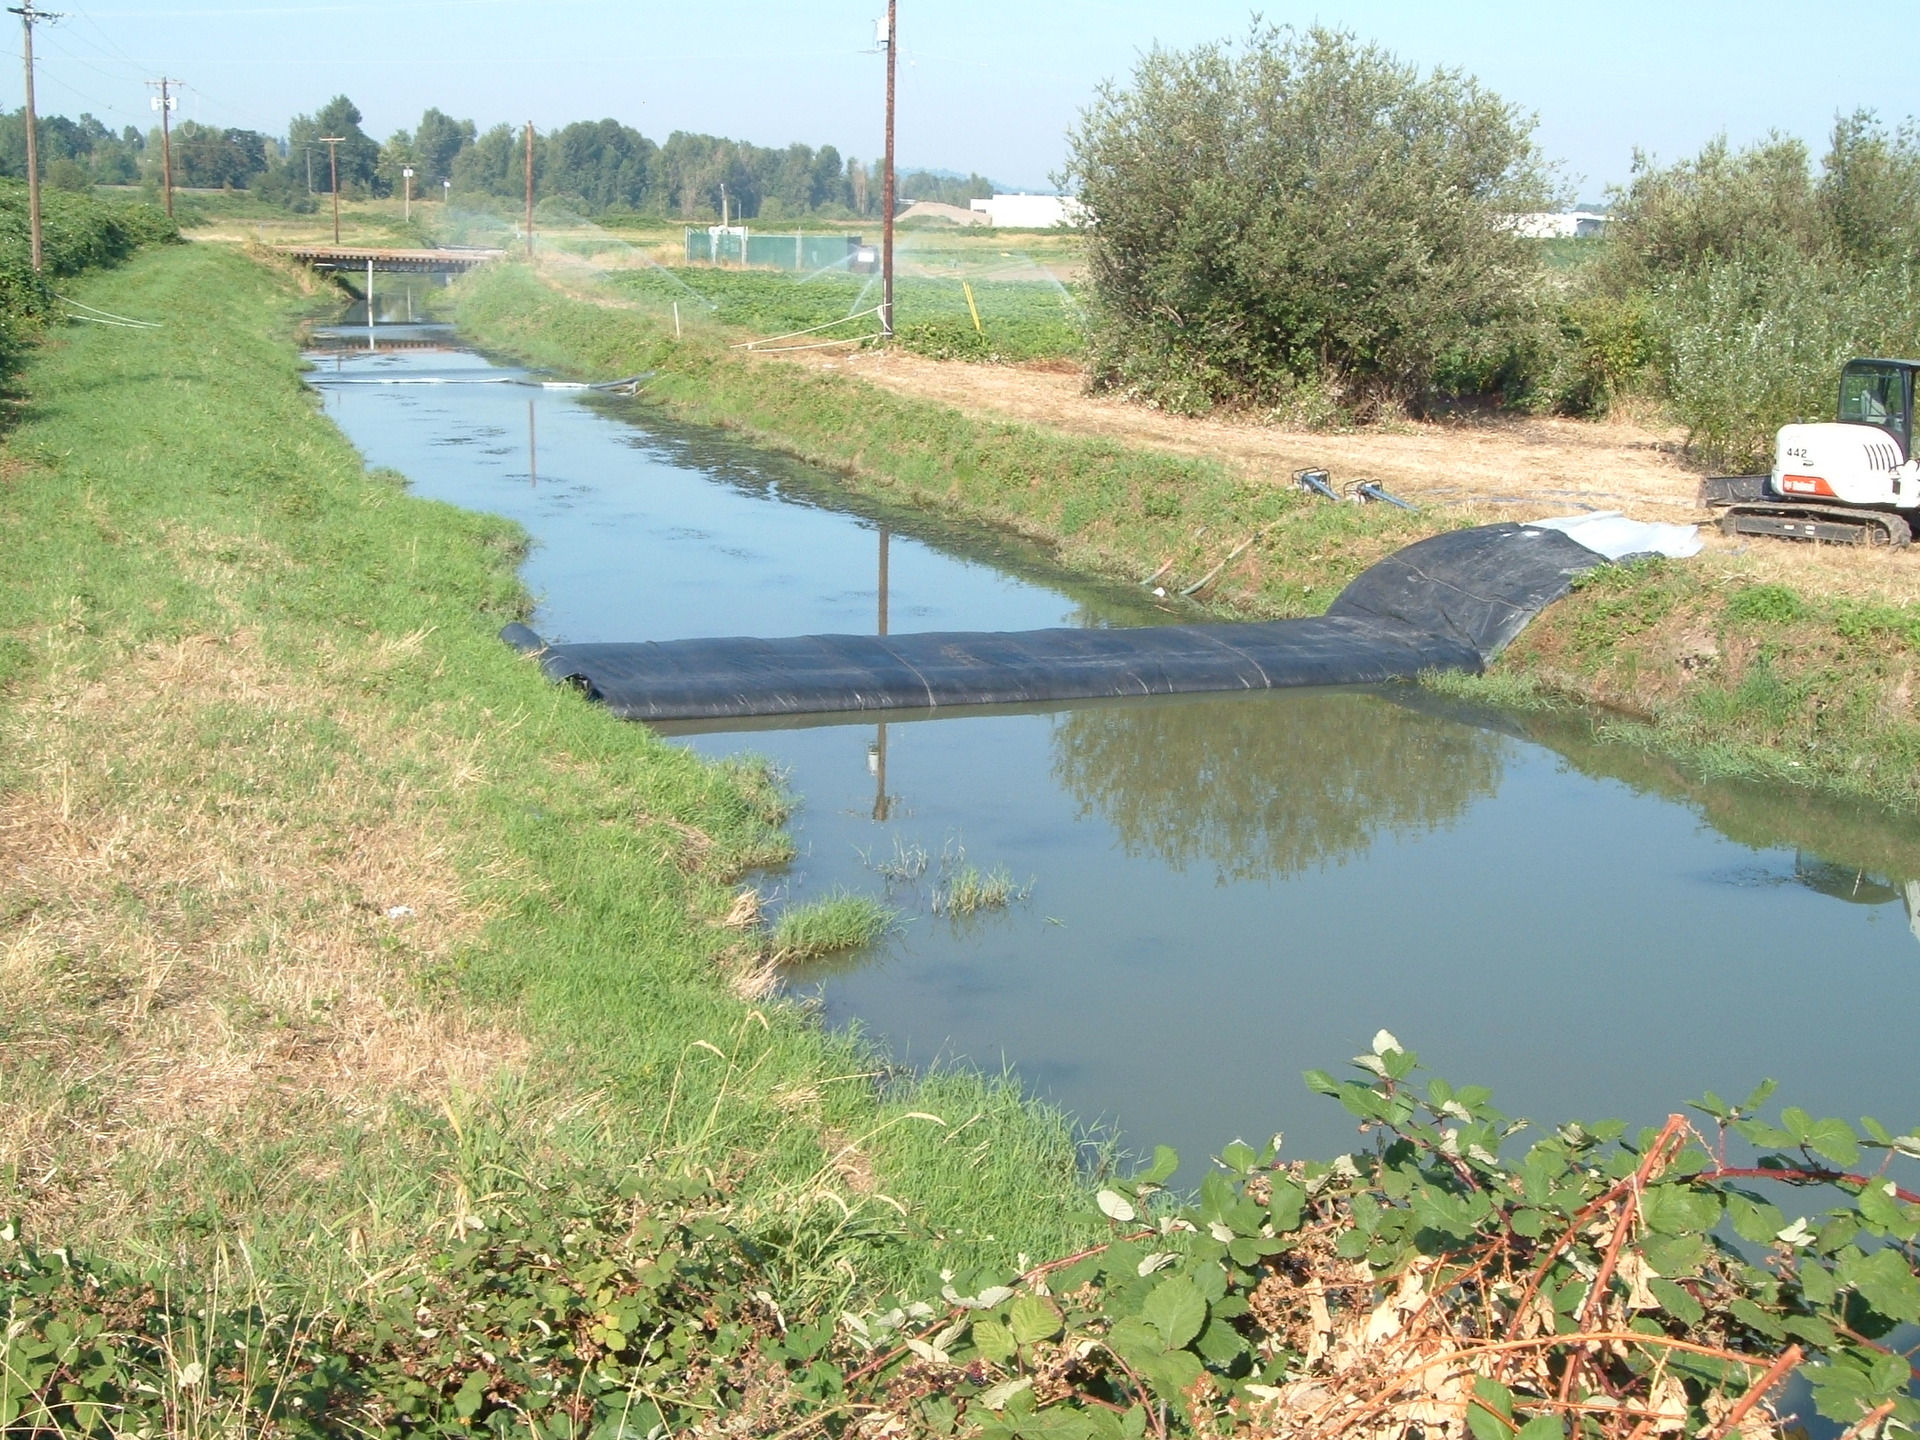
<point x="877" y="763"/>
<point x="1910" y="892"/>
<point x="533" y="453"/>
<point x="877" y="752"/>
<point x="370" y="343"/>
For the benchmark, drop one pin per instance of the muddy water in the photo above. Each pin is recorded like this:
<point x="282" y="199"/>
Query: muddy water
<point x="1210" y="894"/>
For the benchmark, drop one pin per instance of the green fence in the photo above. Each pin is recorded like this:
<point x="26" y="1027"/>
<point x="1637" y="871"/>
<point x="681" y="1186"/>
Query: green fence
<point x="771" y="250"/>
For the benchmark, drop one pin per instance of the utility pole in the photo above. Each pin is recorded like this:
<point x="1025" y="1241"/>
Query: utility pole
<point x="891" y="41"/>
<point x="165" y="102"/>
<point x="406" y="178"/>
<point x="333" y="143"/>
<point x="529" y="189"/>
<point x="28" y="15"/>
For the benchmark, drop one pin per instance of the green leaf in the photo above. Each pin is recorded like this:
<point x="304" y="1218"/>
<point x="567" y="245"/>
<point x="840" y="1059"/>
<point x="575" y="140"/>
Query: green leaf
<point x="1239" y="1157"/>
<point x="1886" y="1282"/>
<point x="1754" y="1318"/>
<point x="1032" y="1318"/>
<point x="1321" y="1083"/>
<point x="1712" y="1104"/>
<point x="1543" y="1427"/>
<point x="993" y="1340"/>
<point x="1166" y="1160"/>
<point x="1754" y="1220"/>
<point x="1135" y="1341"/>
<point x="1176" y="1309"/>
<point x="1490" y="1412"/>
<point x="1220" y="1345"/>
<point x="1679" y="1210"/>
<point x="1675" y="1300"/>
<point x="1175" y="1372"/>
<point x="1834" y="1139"/>
<point x="1289" y="1203"/>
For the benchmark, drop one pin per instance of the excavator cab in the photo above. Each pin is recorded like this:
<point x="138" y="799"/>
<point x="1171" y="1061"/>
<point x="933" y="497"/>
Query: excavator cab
<point x="1879" y="393"/>
<point x="1853" y="480"/>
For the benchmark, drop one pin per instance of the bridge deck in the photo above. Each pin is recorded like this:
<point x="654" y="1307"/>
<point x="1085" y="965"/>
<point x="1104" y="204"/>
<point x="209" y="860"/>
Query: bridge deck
<point x="347" y="257"/>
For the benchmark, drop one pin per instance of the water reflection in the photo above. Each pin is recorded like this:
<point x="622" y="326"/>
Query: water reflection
<point x="1255" y="791"/>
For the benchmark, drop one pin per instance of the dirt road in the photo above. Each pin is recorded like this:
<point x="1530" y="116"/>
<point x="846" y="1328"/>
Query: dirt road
<point x="1483" y="463"/>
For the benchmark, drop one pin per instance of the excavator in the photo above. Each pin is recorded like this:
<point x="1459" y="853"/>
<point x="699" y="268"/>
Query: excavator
<point x="1853" y="481"/>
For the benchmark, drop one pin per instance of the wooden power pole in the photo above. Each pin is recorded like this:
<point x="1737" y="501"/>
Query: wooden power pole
<point x="886" y="181"/>
<point x="164" y="103"/>
<point x="28" y="15"/>
<point x="332" y="142"/>
<point x="529" y="189"/>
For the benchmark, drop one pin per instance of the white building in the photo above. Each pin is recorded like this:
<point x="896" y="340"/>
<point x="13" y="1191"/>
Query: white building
<point x="1030" y="212"/>
<point x="1560" y="225"/>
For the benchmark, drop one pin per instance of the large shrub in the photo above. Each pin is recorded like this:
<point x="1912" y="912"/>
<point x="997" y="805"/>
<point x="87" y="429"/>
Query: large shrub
<point x="1760" y="278"/>
<point x="1302" y="213"/>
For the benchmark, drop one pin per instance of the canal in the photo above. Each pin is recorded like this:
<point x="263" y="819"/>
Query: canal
<point x="1204" y="896"/>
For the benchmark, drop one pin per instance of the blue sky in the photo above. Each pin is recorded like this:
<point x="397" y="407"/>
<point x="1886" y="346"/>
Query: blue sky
<point x="988" y="85"/>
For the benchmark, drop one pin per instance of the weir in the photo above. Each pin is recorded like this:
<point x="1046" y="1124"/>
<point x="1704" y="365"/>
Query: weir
<point x="1450" y="602"/>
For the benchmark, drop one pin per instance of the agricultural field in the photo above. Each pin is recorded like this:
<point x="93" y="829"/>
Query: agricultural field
<point x="1023" y="313"/>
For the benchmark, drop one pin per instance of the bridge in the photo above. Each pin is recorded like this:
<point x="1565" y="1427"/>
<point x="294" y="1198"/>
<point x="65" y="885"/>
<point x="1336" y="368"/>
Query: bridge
<point x="343" y="257"/>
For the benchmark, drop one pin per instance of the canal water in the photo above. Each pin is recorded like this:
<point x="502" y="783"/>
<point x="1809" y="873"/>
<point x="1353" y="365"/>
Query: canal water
<point x="1208" y="895"/>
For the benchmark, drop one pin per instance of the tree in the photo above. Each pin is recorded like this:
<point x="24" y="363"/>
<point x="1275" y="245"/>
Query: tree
<point x="1751" y="205"/>
<point x="1869" y="189"/>
<point x="208" y="157"/>
<point x="359" y="152"/>
<point x="492" y="165"/>
<point x="601" y="163"/>
<point x="435" y="144"/>
<point x="1303" y="210"/>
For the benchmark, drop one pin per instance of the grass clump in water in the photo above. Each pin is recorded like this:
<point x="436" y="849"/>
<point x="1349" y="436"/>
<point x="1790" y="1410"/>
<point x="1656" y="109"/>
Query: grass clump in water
<point x="969" y="890"/>
<point x="831" y="925"/>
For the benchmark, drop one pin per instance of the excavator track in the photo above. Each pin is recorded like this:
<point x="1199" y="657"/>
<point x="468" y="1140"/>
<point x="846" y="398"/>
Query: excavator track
<point x="1746" y="508"/>
<point x="1830" y="524"/>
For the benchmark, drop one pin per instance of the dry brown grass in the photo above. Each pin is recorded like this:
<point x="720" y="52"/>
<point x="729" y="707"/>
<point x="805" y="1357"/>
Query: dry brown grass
<point x="203" y="940"/>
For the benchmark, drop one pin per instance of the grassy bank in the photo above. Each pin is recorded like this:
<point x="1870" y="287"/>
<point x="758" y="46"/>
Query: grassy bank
<point x="1692" y="659"/>
<point x="329" y="923"/>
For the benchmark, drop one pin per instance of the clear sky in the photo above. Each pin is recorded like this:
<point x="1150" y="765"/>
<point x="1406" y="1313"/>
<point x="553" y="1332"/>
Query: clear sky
<point x="987" y="85"/>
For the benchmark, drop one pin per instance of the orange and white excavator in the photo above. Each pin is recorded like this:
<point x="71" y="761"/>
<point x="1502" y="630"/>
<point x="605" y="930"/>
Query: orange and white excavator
<point x="1852" y="481"/>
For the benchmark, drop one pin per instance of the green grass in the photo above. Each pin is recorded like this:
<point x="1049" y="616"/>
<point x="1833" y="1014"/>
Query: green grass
<point x="222" y="634"/>
<point x="1028" y="319"/>
<point x="968" y="890"/>
<point x="831" y="925"/>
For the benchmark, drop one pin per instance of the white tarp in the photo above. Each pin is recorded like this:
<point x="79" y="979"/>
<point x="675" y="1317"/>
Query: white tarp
<point x="1613" y="535"/>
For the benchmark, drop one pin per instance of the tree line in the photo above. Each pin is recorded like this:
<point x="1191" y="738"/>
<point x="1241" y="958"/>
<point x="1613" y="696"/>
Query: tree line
<point x="600" y="167"/>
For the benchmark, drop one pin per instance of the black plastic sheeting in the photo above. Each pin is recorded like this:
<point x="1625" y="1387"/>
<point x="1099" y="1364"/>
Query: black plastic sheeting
<point x="1450" y="602"/>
